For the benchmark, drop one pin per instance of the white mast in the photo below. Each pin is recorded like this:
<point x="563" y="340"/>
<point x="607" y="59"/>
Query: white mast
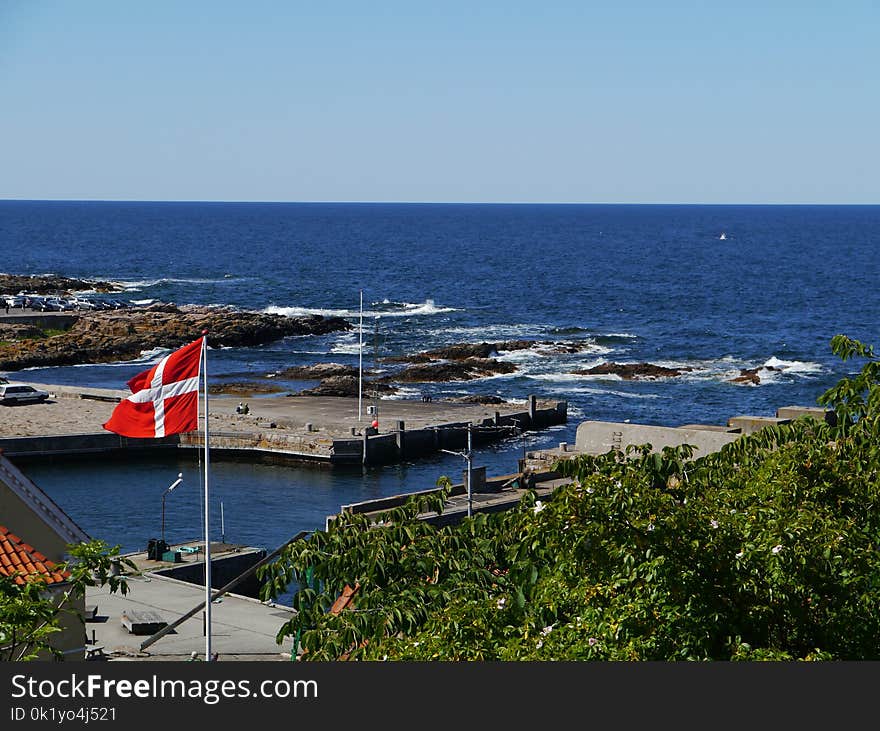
<point x="207" y="504"/>
<point x="361" y="360"/>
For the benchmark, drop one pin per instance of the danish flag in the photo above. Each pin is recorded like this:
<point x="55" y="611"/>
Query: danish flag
<point x="165" y="399"/>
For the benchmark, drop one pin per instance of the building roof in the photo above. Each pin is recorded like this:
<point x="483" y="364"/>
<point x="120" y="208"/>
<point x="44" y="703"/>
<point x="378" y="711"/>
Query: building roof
<point x="40" y="503"/>
<point x="25" y="563"/>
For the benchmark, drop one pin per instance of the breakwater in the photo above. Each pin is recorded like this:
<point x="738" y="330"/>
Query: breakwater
<point x="313" y="444"/>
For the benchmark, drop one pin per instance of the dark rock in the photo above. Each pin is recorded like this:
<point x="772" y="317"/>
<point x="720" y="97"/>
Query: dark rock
<point x="13" y="331"/>
<point x="750" y="375"/>
<point x="630" y="371"/>
<point x="462" y="370"/>
<point x="461" y="351"/>
<point x="316" y="372"/>
<point x="244" y="388"/>
<point x="100" y="337"/>
<point x="477" y="399"/>
<point x="51" y="284"/>
<point x="346" y="386"/>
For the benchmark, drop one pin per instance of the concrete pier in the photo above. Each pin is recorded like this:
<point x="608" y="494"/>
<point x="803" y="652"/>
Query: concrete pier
<point x="277" y="428"/>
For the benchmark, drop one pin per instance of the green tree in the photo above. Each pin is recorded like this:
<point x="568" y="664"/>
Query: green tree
<point x="764" y="550"/>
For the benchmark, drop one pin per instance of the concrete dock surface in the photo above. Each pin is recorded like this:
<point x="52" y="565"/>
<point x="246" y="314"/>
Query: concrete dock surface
<point x="241" y="628"/>
<point x="81" y="410"/>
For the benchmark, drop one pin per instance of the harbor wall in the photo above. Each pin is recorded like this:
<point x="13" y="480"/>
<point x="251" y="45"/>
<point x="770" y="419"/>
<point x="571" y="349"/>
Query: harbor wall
<point x="223" y="570"/>
<point x="277" y="446"/>
<point x="402" y="444"/>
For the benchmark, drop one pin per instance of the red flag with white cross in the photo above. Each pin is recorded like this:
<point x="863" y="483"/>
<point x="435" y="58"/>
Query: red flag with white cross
<point x="164" y="400"/>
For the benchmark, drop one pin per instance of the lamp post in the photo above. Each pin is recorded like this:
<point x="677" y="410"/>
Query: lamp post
<point x="468" y="455"/>
<point x="164" y="495"/>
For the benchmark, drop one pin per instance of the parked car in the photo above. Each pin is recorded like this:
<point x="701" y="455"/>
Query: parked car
<point x="45" y="305"/>
<point x="21" y="393"/>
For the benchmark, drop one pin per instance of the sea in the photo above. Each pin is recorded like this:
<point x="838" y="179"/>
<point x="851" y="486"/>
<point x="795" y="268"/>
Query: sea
<point x="709" y="288"/>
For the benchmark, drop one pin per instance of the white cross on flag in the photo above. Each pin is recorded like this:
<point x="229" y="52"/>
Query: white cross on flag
<point x="164" y="400"/>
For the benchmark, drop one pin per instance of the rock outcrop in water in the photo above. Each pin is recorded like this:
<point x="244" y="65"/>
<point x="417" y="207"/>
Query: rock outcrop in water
<point x="750" y="375"/>
<point x="461" y="351"/>
<point x="346" y="386"/>
<point x="101" y="337"/>
<point x="316" y="372"/>
<point x="244" y="388"/>
<point x="477" y="399"/>
<point x="631" y="371"/>
<point x="467" y="369"/>
<point x="50" y="284"/>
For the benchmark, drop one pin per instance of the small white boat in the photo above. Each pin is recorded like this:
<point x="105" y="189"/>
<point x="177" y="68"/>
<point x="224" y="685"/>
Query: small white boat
<point x="723" y="236"/>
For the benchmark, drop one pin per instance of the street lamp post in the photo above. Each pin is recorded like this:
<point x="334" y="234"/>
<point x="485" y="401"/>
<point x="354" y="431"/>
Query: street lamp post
<point x="467" y="455"/>
<point x="164" y="495"/>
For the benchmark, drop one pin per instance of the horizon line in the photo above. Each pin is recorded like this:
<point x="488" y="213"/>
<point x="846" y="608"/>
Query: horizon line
<point x="419" y="203"/>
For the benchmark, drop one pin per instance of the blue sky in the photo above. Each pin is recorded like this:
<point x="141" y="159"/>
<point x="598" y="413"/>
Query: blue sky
<point x="624" y="102"/>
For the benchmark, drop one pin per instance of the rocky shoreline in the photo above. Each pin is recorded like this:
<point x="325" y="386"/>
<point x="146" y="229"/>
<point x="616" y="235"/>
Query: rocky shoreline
<point x="103" y="337"/>
<point x="109" y="336"/>
<point x="51" y="284"/>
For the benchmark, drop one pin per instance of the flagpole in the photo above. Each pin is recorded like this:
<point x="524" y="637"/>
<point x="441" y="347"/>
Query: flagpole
<point x="361" y="359"/>
<point x="207" y="509"/>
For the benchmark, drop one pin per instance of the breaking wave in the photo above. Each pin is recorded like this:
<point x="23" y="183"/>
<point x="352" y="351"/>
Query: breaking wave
<point x="391" y="309"/>
<point x="135" y="285"/>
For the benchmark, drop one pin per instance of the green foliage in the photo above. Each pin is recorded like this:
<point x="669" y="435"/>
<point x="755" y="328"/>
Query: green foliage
<point x="31" y="613"/>
<point x="765" y="550"/>
<point x="857" y="397"/>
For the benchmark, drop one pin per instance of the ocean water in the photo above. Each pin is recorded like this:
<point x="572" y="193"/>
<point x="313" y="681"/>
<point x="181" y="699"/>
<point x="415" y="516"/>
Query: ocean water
<point x="626" y="283"/>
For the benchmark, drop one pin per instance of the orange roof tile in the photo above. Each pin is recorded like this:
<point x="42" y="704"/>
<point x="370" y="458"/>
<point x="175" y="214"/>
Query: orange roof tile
<point x="24" y="563"/>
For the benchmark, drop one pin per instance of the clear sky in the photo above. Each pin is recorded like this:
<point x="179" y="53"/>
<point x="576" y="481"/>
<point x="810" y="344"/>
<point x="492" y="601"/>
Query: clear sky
<point x="583" y="102"/>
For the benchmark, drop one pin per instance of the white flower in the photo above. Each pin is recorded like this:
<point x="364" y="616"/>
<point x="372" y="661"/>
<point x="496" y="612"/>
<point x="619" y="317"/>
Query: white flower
<point x="547" y="630"/>
<point x="589" y="491"/>
<point x="740" y="554"/>
<point x="713" y="523"/>
<point x="539" y="645"/>
<point x="776" y="549"/>
<point x="539" y="506"/>
<point x="501" y="602"/>
<point x="592" y="642"/>
<point x="650" y="527"/>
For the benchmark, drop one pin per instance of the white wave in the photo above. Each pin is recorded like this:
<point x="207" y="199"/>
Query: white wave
<point x="403" y="309"/>
<point x="606" y="391"/>
<point x="766" y="376"/>
<point x="519" y="356"/>
<point x="147" y="357"/>
<point x="496" y="332"/>
<point x="403" y="393"/>
<point x="143" y="302"/>
<point x="408" y="309"/>
<point x="793" y="366"/>
<point x="563" y="377"/>
<point x="346" y="348"/>
<point x="583" y="349"/>
<point x="130" y="285"/>
<point x="306" y="311"/>
<point x="153" y="353"/>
